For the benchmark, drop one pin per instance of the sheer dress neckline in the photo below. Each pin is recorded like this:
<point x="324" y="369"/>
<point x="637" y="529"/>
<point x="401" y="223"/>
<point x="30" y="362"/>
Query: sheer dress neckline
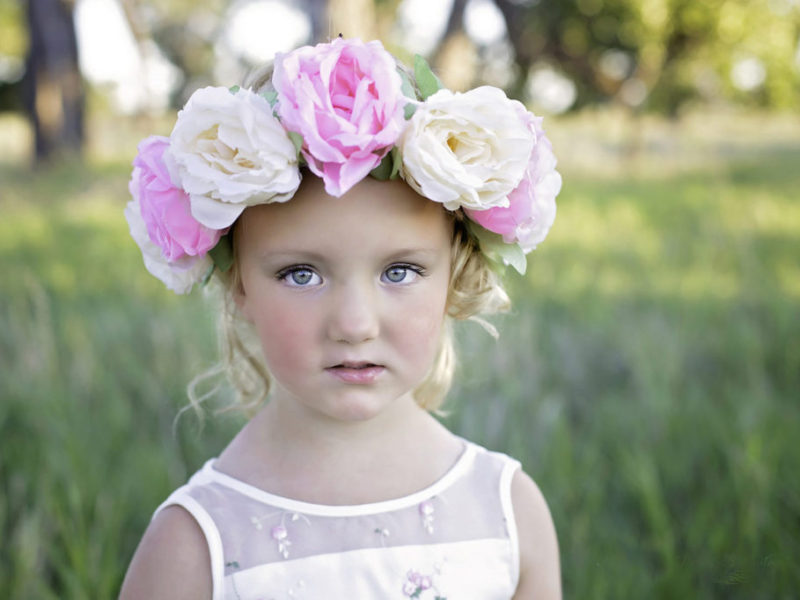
<point x="209" y="474"/>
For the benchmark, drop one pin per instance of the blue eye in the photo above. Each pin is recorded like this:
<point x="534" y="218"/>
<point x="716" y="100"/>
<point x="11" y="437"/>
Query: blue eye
<point x="401" y="273"/>
<point x="299" y="277"/>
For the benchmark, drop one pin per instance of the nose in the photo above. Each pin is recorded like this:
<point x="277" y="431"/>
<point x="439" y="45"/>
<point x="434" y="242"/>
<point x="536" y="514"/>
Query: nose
<point x="354" y="316"/>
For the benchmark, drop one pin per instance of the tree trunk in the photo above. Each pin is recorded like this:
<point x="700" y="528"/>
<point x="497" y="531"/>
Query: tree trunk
<point x="53" y="90"/>
<point x="515" y="18"/>
<point x="455" y="58"/>
<point x="454" y="27"/>
<point x="317" y="12"/>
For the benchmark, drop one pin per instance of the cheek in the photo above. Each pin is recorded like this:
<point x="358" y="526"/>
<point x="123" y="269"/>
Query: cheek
<point x="419" y="331"/>
<point x="286" y="335"/>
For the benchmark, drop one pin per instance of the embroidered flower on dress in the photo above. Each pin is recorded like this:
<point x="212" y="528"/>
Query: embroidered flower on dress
<point x="416" y="584"/>
<point x="279" y="533"/>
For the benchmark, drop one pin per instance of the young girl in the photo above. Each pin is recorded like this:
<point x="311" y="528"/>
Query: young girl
<point x="350" y="210"/>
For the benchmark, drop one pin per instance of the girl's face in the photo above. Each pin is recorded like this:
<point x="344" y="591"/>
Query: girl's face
<point x="347" y="294"/>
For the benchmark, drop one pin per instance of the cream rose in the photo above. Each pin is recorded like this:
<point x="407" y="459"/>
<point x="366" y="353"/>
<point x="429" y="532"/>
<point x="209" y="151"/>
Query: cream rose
<point x="532" y="204"/>
<point x="228" y="152"/>
<point x="467" y="150"/>
<point x="179" y="275"/>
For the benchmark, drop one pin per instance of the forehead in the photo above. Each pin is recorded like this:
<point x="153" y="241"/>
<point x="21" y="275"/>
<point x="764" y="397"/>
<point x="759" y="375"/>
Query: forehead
<point x="373" y="215"/>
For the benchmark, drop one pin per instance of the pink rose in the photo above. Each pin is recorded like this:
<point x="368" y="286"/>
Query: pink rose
<point x="180" y="275"/>
<point x="344" y="98"/>
<point x="165" y="207"/>
<point x="532" y="204"/>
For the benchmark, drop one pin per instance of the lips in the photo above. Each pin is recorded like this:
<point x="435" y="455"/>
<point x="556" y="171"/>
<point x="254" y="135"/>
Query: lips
<point x="356" y="372"/>
<point x="355" y="364"/>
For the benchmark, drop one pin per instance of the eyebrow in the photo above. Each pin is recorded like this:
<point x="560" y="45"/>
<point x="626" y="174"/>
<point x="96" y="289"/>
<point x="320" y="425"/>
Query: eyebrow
<point x="425" y="252"/>
<point x="290" y="254"/>
<point x="316" y="257"/>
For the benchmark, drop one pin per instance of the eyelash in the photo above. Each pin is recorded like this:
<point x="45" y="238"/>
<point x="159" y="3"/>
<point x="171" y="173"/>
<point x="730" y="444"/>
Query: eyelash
<point x="408" y="267"/>
<point x="284" y="274"/>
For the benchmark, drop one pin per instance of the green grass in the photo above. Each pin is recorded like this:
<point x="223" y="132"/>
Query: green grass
<point x="648" y="379"/>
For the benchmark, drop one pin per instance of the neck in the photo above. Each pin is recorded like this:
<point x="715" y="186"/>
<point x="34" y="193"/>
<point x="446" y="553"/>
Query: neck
<point x="290" y="425"/>
<point x="308" y="456"/>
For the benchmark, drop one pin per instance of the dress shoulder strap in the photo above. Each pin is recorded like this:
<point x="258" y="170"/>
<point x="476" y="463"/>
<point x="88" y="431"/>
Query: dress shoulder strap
<point x="500" y="468"/>
<point x="183" y="497"/>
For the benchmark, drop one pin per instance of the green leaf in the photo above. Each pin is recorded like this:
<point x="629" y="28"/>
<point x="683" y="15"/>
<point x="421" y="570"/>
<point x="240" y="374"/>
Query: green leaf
<point x="222" y="253"/>
<point x="427" y="81"/>
<point x="389" y="166"/>
<point x="233" y="89"/>
<point x="207" y="276"/>
<point x="384" y="169"/>
<point x="409" y="92"/>
<point x="270" y="96"/>
<point x="297" y="140"/>
<point x="512" y="254"/>
<point x="397" y="162"/>
<point x="407" y="87"/>
<point x="497" y="250"/>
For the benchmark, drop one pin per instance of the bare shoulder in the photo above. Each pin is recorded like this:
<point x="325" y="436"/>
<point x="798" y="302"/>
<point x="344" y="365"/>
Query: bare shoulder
<point x="172" y="560"/>
<point x="540" y="570"/>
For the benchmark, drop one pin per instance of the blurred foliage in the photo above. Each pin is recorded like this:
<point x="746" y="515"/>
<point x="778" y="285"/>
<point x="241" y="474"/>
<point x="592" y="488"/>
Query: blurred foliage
<point x="651" y="54"/>
<point x="678" y="50"/>
<point x="13" y="46"/>
<point x="184" y="31"/>
<point x="13" y="36"/>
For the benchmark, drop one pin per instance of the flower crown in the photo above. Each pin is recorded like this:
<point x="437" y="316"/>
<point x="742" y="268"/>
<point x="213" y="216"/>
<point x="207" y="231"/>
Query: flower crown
<point x="345" y="110"/>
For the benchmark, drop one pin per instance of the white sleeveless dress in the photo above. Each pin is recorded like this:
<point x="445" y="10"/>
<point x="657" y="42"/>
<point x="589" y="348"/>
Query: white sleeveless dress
<point x="455" y="540"/>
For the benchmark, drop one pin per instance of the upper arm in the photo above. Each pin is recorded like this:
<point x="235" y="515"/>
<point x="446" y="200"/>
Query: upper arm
<point x="540" y="571"/>
<point x="171" y="562"/>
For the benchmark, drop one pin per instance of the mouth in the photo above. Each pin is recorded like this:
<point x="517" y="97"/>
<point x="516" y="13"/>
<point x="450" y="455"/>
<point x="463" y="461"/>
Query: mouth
<point x="356" y="372"/>
<point x="354" y="365"/>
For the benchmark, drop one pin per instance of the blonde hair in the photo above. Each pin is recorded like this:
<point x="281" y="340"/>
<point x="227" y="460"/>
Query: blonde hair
<point x="474" y="290"/>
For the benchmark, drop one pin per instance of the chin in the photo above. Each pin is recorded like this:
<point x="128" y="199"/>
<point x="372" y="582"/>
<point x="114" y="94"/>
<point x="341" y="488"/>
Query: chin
<point x="361" y="406"/>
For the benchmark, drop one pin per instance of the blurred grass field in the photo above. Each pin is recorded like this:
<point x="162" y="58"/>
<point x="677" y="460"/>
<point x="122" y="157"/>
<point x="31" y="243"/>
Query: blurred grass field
<point x="648" y="377"/>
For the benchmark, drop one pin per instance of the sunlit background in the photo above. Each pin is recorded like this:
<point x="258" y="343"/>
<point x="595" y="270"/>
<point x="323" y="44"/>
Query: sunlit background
<point x="648" y="377"/>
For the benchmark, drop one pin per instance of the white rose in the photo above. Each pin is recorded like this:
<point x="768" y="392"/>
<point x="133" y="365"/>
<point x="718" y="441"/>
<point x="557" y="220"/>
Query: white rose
<point x="179" y="276"/>
<point x="466" y="150"/>
<point x="228" y="152"/>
